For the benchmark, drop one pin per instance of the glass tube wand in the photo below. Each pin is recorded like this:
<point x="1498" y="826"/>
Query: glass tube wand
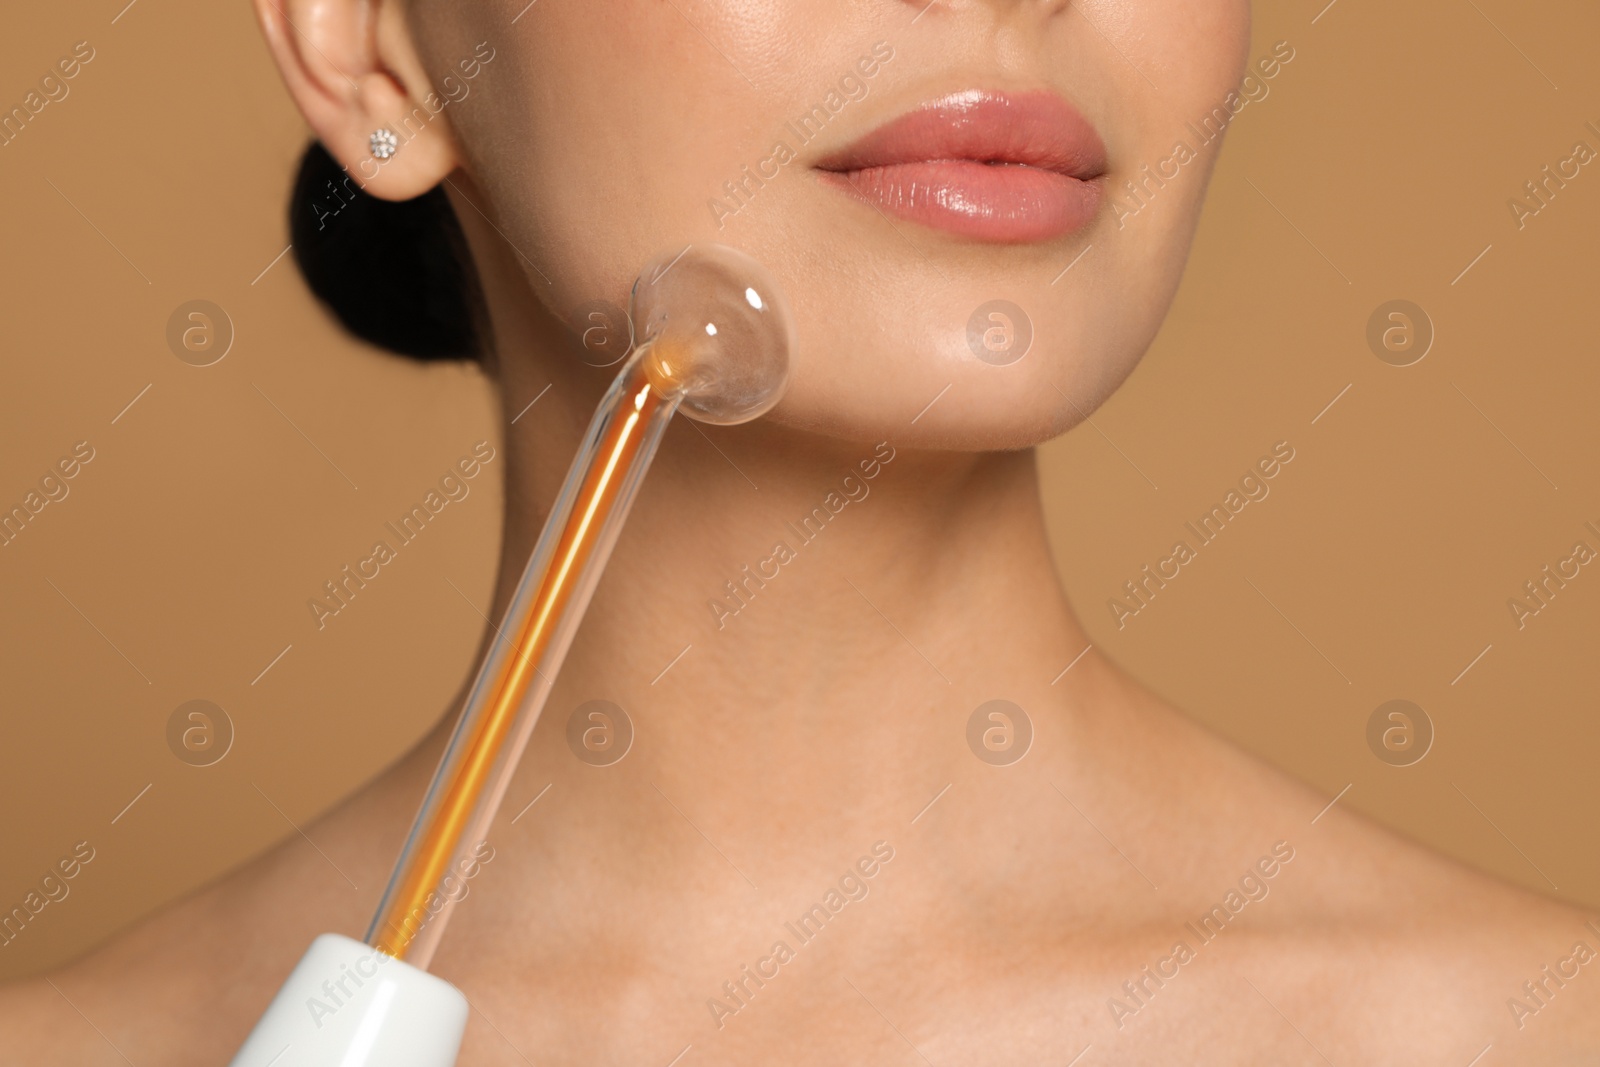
<point x="715" y="342"/>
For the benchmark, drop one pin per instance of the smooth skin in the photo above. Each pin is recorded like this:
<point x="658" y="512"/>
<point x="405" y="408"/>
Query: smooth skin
<point x="831" y="712"/>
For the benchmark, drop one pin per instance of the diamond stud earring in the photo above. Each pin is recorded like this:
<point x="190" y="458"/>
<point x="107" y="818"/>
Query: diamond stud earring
<point x="383" y="143"/>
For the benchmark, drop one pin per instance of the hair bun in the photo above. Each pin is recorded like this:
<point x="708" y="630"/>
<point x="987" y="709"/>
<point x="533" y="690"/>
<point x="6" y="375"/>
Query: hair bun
<point x="396" y="274"/>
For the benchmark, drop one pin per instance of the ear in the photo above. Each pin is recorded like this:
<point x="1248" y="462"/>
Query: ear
<point x="352" y="69"/>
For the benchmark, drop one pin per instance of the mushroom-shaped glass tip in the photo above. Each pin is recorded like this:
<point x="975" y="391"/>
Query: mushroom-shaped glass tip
<point x="716" y="330"/>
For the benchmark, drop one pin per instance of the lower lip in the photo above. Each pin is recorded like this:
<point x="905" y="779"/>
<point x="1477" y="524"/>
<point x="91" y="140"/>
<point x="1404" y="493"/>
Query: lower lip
<point x="1004" y="203"/>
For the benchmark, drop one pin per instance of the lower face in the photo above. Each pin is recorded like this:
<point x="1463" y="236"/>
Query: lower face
<point x="982" y="205"/>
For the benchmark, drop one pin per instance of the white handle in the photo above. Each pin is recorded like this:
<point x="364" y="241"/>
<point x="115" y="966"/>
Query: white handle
<point x="348" y="1005"/>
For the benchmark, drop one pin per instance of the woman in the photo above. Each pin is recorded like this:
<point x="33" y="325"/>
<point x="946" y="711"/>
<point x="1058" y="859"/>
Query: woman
<point x="825" y="843"/>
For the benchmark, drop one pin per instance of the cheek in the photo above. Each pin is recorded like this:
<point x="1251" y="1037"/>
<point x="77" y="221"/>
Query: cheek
<point x="1194" y="50"/>
<point x="604" y="131"/>
<point x="611" y="127"/>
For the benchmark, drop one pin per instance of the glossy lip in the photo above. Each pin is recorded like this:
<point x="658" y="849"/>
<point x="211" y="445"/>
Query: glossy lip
<point x="1001" y="167"/>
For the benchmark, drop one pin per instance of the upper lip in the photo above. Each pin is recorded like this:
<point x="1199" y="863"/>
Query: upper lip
<point x="1034" y="129"/>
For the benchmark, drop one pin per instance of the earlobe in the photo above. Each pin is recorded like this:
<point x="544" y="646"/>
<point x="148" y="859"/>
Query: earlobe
<point x="399" y="146"/>
<point x="351" y="81"/>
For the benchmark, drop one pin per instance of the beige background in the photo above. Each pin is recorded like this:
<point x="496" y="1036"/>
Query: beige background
<point x="1379" y="567"/>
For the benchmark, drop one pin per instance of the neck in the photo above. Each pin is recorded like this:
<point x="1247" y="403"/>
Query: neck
<point x="798" y="627"/>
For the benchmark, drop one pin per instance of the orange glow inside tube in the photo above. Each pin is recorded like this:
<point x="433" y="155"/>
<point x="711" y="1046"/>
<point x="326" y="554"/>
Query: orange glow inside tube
<point x="716" y="340"/>
<point x="427" y="862"/>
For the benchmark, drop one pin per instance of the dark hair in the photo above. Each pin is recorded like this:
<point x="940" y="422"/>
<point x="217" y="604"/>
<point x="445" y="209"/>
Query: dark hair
<point x="396" y="274"/>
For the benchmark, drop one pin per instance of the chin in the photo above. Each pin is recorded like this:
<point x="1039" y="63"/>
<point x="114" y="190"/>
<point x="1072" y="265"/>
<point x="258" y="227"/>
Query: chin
<point x="984" y="359"/>
<point x="981" y="410"/>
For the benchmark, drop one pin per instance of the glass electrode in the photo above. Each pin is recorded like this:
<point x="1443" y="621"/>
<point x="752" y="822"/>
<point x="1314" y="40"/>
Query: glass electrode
<point x="715" y="342"/>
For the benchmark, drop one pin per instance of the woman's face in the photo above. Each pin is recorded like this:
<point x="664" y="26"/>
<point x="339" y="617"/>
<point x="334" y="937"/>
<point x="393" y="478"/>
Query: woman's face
<point x="940" y="189"/>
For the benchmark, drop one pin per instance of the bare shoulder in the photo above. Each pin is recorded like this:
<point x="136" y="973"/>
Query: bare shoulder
<point x="180" y="987"/>
<point x="1352" y="939"/>
<point x="171" y="989"/>
<point x="38" y="1026"/>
